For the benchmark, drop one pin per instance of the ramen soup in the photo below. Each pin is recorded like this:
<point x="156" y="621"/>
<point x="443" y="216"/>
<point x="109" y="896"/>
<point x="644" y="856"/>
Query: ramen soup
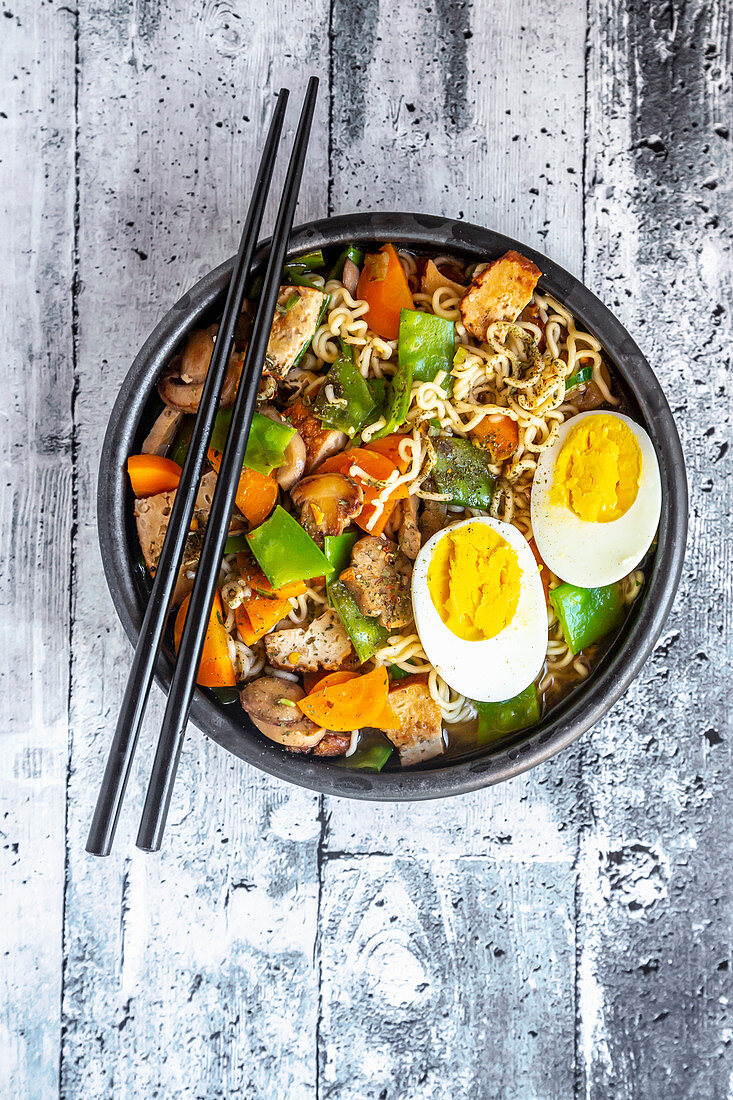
<point x="443" y="515"/>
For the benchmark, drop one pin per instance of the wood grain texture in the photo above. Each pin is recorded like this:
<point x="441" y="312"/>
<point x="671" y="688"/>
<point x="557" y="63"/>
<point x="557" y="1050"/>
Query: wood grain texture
<point x="36" y="504"/>
<point x="563" y="935"/>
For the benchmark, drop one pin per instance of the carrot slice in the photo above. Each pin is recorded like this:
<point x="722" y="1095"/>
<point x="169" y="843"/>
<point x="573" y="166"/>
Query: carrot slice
<point x="383" y="286"/>
<point x="151" y="474"/>
<point x="215" y="668"/>
<point x="499" y="433"/>
<point x="353" y="703"/>
<point x="332" y="679"/>
<point x="256" y="492"/>
<point x="266" y="606"/>
<point x="389" y="446"/>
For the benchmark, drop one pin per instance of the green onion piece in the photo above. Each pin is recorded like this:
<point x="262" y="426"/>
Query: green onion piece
<point x="397" y="673"/>
<point x="294" y="278"/>
<point x="579" y="378"/>
<point x="337" y="549"/>
<point x="309" y="261"/>
<point x="268" y="440"/>
<point x="586" y="614"/>
<point x="291" y="301"/>
<point x="370" y="755"/>
<point x="351" y="252"/>
<point x="235" y="544"/>
<point x="181" y="443"/>
<point x="367" y="634"/>
<point x="498" y="719"/>
<point x="284" y="551"/>
<point x="426" y="345"/>
<point x="462" y="471"/>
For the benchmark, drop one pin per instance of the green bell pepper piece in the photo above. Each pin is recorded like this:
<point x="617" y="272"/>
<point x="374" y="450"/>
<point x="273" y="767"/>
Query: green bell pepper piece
<point x="351" y="252"/>
<point x="371" y="754"/>
<point x="462" y="471"/>
<point x="337" y="549"/>
<point x="235" y="544"/>
<point x="378" y="390"/>
<point x="179" y="450"/>
<point x="266" y="444"/>
<point x="367" y="634"/>
<point x="284" y="551"/>
<point x="426" y="344"/>
<point x="498" y="719"/>
<point x="353" y="403"/>
<point x="586" y="614"/>
<point x="579" y="378"/>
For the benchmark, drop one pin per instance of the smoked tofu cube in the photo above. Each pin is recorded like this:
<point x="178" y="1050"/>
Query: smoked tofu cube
<point x="499" y="293"/>
<point x="420" y="735"/>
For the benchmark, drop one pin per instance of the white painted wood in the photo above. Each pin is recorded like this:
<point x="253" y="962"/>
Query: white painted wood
<point x="36" y="215"/>
<point x="190" y="973"/>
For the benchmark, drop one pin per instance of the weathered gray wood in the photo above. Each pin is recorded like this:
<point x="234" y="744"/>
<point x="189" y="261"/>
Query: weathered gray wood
<point x="561" y="935"/>
<point x="37" y="508"/>
<point x="191" y="973"/>
<point x="655" y="908"/>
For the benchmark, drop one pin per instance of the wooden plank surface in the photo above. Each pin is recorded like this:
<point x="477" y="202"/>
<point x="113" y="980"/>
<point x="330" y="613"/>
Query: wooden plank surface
<point x="37" y="508"/>
<point x="561" y="935"/>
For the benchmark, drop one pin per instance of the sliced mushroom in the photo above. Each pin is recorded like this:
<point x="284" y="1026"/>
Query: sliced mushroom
<point x="350" y="277"/>
<point x="333" y="744"/>
<point x="182" y="384"/>
<point x="433" y="278"/>
<point x="432" y="518"/>
<point x="272" y="704"/>
<point x="327" y="503"/>
<point x="379" y="580"/>
<point x="162" y="433"/>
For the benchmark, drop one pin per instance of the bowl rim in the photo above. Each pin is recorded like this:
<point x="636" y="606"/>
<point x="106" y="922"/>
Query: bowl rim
<point x="591" y="700"/>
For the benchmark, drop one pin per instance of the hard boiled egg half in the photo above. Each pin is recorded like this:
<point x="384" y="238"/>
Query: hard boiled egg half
<point x="596" y="499"/>
<point x="480" y="609"/>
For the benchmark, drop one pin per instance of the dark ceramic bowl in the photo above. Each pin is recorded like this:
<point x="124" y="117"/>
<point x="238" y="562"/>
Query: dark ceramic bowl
<point x="137" y="404"/>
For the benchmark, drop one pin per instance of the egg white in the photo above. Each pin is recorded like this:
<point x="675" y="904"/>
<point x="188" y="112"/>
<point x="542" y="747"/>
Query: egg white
<point x="499" y="667"/>
<point x="594" y="554"/>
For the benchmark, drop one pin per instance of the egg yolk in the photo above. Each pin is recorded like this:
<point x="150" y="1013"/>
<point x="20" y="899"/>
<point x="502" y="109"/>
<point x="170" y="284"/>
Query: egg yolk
<point x="598" y="470"/>
<point x="473" y="580"/>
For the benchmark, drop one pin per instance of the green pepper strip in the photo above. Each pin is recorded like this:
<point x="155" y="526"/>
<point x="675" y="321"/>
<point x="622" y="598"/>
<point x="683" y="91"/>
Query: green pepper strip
<point x="497" y="719"/>
<point x="235" y="544"/>
<point x="370" y="755"/>
<point x="367" y="634"/>
<point x="462" y="471"/>
<point x="586" y="614"/>
<point x="284" y="551"/>
<point x="293" y="278"/>
<point x="337" y="549"/>
<point x="426" y="344"/>
<point x="179" y="450"/>
<point x="267" y="441"/>
<point x="351" y="252"/>
<point x="354" y="402"/>
<point x="583" y="375"/>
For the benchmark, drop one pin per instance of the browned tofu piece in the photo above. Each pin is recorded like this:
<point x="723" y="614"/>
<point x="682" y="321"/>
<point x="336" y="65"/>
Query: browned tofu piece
<point x="320" y="646"/>
<point x="420" y="736"/>
<point x="320" y="443"/>
<point x="499" y="293"/>
<point x="293" y="328"/>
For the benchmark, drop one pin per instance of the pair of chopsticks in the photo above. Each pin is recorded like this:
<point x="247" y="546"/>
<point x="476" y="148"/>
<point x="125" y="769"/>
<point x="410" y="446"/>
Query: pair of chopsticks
<point x="137" y="691"/>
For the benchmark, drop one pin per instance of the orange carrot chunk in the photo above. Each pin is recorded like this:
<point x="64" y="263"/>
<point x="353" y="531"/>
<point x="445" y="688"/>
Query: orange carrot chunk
<point x="351" y="704"/>
<point x="383" y="286"/>
<point x="499" y="434"/>
<point x="215" y="668"/>
<point x="151" y="474"/>
<point x="256" y="492"/>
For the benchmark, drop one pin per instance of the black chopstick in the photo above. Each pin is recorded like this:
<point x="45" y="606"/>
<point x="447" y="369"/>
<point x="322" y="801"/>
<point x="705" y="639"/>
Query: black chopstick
<point x="170" y="742"/>
<point x="137" y="691"/>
